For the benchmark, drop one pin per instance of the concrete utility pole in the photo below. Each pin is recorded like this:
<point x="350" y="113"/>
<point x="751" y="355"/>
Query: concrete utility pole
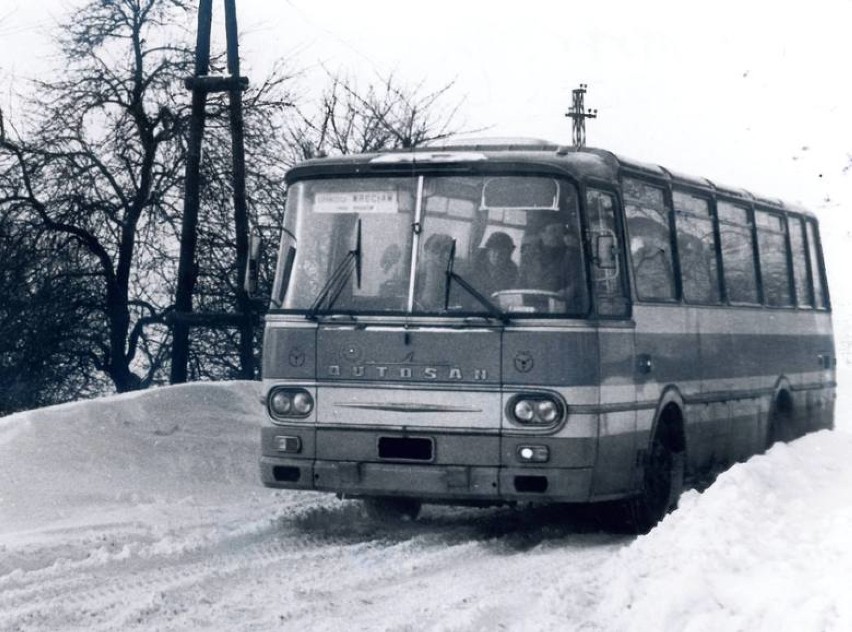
<point x="201" y="84"/>
<point x="578" y="113"/>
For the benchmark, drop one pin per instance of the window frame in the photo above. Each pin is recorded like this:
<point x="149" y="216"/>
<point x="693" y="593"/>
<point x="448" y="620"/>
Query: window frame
<point x="748" y="208"/>
<point x="819" y="257"/>
<point x="788" y="262"/>
<point x="614" y="189"/>
<point x="799" y="221"/>
<point x="666" y="188"/>
<point x="717" y="252"/>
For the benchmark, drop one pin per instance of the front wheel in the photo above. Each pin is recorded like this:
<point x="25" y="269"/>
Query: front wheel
<point x="392" y="509"/>
<point x="662" y="484"/>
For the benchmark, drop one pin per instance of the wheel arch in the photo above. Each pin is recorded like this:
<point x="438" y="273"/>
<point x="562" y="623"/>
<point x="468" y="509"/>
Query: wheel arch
<point x="670" y="419"/>
<point x="780" y="422"/>
<point x="782" y="395"/>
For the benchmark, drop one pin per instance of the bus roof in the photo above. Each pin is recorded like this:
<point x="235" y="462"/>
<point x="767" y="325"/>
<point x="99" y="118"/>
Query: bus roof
<point x="583" y="164"/>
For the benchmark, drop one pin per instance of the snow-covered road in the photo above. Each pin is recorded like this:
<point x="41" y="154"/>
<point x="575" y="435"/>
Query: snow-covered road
<point x="144" y="511"/>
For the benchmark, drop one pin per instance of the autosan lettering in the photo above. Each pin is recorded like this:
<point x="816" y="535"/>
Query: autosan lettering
<point x="390" y="372"/>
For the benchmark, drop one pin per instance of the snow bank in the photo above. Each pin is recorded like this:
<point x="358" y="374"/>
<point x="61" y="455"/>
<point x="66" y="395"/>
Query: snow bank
<point x="137" y="448"/>
<point x="145" y="511"/>
<point x="767" y="547"/>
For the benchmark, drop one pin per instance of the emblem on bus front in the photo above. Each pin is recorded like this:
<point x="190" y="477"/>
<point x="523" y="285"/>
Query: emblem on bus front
<point x="524" y="362"/>
<point x="296" y="357"/>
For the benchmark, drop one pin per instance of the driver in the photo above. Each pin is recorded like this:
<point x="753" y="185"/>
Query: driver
<point x="552" y="261"/>
<point x="494" y="270"/>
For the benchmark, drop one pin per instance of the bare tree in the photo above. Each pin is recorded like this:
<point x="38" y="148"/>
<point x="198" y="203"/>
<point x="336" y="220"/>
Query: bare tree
<point x="104" y="168"/>
<point x="389" y="114"/>
<point x="94" y="178"/>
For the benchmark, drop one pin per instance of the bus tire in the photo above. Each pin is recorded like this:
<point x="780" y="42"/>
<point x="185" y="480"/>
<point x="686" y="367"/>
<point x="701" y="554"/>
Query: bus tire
<point x="391" y="510"/>
<point x="662" y="484"/>
<point x="781" y="426"/>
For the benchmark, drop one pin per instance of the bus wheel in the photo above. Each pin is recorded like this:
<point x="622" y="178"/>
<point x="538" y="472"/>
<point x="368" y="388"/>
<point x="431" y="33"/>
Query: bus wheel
<point x="383" y="509"/>
<point x="662" y="484"/>
<point x="780" y="426"/>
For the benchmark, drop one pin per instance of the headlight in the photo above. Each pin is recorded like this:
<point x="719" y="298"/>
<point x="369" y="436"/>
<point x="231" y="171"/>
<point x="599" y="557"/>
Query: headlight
<point x="524" y="410"/>
<point x="547" y="410"/>
<point x="290" y="402"/>
<point x="303" y="403"/>
<point x="280" y="403"/>
<point x="536" y="409"/>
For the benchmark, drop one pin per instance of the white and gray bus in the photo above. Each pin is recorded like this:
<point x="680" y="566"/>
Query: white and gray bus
<point x="515" y="321"/>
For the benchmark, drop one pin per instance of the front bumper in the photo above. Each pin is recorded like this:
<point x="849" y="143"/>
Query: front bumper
<point x="429" y="482"/>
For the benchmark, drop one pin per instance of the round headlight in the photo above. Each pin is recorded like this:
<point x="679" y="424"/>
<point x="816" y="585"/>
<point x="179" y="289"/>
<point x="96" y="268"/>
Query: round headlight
<point x="281" y="403"/>
<point x="547" y="410"/>
<point x="524" y="410"/>
<point x="303" y="403"/>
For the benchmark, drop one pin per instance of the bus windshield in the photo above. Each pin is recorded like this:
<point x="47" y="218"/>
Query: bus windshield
<point x="386" y="245"/>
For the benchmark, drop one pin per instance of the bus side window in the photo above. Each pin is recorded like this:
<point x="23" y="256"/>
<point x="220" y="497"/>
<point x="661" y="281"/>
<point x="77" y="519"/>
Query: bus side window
<point x="737" y="253"/>
<point x="804" y="290"/>
<point x="696" y="245"/>
<point x="650" y="240"/>
<point x="608" y="282"/>
<point x="772" y="248"/>
<point x="816" y="268"/>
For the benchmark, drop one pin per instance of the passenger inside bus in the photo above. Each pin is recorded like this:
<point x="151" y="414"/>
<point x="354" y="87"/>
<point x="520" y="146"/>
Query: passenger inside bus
<point x="494" y="269"/>
<point x="551" y="260"/>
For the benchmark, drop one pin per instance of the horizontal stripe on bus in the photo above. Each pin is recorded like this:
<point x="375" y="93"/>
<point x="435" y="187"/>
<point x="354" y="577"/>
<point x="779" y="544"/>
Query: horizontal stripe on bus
<point x="598" y="398"/>
<point x="703" y="398"/>
<point x="666" y="319"/>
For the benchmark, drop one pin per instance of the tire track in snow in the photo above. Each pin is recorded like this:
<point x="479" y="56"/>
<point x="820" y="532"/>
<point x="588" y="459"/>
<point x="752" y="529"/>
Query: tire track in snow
<point x="291" y="565"/>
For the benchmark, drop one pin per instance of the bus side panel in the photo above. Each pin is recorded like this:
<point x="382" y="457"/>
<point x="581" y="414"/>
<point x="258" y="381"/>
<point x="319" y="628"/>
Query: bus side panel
<point x="748" y="423"/>
<point x="707" y="433"/>
<point x="668" y="354"/>
<point x="615" y="467"/>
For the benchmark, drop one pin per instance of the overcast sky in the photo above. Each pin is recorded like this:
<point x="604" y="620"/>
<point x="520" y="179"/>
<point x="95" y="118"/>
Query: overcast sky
<point x="750" y="93"/>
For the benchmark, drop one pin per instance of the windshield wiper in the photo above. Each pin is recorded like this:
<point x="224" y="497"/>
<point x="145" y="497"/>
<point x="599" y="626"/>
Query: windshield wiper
<point x="493" y="310"/>
<point x="337" y="281"/>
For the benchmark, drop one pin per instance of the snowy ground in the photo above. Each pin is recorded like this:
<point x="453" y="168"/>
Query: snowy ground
<point x="145" y="512"/>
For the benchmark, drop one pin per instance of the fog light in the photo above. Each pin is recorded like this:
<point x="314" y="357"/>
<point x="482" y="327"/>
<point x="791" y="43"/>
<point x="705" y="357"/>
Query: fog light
<point x="288" y="444"/>
<point x="533" y="453"/>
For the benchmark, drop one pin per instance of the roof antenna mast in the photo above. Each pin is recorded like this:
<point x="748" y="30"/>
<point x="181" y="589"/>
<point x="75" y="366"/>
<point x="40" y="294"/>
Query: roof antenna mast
<point x="578" y="113"/>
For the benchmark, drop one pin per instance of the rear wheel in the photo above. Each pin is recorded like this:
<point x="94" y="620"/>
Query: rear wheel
<point x="383" y="509"/>
<point x="781" y="421"/>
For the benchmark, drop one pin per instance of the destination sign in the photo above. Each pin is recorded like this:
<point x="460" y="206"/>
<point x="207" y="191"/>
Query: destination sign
<point x="357" y="202"/>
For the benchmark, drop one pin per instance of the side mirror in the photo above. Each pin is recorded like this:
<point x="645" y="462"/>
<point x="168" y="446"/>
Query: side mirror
<point x="252" y="266"/>
<point x="605" y="253"/>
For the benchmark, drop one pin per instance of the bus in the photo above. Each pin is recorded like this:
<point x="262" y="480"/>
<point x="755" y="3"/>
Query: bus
<point x="511" y="321"/>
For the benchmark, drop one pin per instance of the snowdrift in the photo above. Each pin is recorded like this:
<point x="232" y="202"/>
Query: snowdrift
<point x="767" y="547"/>
<point x="158" y="445"/>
